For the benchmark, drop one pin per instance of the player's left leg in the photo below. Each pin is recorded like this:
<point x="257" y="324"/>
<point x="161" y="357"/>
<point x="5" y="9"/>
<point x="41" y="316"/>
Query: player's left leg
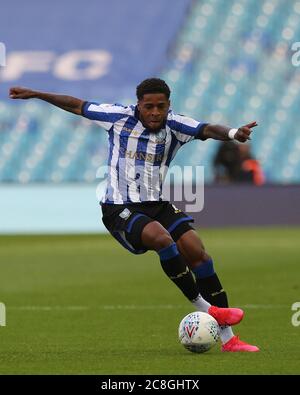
<point x="191" y="247"/>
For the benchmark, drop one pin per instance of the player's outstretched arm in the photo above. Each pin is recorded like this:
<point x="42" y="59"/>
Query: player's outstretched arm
<point x="219" y="132"/>
<point x="67" y="103"/>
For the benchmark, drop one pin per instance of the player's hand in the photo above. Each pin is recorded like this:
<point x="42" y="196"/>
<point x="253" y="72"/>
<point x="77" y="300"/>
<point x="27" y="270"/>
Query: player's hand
<point x="244" y="132"/>
<point x="21" y="93"/>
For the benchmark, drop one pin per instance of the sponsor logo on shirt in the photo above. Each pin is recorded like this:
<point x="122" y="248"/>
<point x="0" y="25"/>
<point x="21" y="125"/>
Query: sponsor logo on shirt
<point x="144" y="156"/>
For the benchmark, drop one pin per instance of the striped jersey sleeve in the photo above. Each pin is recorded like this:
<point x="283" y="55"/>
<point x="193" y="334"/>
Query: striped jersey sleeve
<point x="185" y="128"/>
<point x="105" y="114"/>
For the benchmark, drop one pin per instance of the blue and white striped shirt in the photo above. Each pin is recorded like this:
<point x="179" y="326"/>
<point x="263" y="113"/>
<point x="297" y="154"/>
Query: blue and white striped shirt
<point x="139" y="158"/>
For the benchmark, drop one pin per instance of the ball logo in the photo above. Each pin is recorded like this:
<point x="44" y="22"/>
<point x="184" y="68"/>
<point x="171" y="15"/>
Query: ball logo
<point x="190" y="330"/>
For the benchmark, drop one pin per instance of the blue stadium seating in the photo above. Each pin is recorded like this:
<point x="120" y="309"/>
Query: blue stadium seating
<point x="230" y="64"/>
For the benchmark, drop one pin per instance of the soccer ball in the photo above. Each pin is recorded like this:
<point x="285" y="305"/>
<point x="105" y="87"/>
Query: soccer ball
<point x="198" y="332"/>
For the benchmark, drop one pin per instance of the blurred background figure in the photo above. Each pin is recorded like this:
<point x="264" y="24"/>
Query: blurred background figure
<point x="251" y="170"/>
<point x="226" y="163"/>
<point x="234" y="163"/>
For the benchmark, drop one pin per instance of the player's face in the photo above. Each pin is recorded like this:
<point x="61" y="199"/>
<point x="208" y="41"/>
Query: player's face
<point x="153" y="109"/>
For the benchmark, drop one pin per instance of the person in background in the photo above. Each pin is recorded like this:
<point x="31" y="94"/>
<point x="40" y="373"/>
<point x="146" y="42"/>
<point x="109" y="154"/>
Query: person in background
<point x="234" y="163"/>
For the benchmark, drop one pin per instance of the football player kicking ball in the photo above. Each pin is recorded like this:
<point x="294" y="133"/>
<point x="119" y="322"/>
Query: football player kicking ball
<point x="143" y="139"/>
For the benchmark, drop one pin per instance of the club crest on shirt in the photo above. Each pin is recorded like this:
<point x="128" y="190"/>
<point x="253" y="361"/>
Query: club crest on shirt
<point x="125" y="213"/>
<point x="160" y="136"/>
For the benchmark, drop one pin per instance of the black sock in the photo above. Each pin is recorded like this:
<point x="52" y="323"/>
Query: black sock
<point x="176" y="269"/>
<point x="211" y="290"/>
<point x="209" y="284"/>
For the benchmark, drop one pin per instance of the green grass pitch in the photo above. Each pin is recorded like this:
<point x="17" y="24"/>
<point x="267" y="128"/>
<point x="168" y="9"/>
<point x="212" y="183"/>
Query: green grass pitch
<point x="84" y="305"/>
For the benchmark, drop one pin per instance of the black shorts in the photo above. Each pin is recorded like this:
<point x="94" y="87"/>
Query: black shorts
<point x="126" y="221"/>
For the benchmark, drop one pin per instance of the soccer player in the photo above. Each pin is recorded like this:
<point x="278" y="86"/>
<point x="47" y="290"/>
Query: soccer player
<point x="143" y="139"/>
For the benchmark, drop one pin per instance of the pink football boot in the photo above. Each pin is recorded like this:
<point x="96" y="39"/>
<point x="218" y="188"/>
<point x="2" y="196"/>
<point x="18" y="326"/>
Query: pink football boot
<point x="226" y="315"/>
<point x="236" y="345"/>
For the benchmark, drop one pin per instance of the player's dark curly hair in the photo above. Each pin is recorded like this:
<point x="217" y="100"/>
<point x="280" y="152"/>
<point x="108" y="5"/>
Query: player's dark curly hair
<point x="152" y="85"/>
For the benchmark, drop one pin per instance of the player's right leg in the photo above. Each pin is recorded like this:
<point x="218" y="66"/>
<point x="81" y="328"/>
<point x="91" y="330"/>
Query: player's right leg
<point x="155" y="237"/>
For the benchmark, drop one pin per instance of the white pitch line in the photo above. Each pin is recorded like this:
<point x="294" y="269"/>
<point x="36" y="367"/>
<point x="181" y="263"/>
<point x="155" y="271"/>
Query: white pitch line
<point x="48" y="308"/>
<point x="265" y="306"/>
<point x="133" y="307"/>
